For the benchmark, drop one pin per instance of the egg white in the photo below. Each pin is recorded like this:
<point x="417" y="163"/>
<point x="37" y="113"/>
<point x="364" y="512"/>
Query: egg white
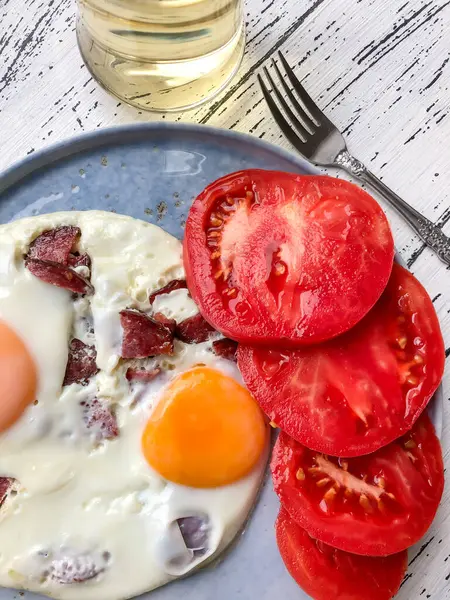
<point x="102" y="502"/>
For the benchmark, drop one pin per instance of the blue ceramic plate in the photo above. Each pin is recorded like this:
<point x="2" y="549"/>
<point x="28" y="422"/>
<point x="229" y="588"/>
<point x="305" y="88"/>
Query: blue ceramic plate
<point x="152" y="172"/>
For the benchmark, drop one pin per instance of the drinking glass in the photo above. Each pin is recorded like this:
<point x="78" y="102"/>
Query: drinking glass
<point x="162" y="55"/>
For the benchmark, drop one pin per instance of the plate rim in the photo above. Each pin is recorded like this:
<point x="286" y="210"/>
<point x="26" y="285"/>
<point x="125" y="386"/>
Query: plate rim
<point x="134" y="132"/>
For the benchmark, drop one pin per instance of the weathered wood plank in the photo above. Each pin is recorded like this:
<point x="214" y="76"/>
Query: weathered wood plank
<point x="380" y="69"/>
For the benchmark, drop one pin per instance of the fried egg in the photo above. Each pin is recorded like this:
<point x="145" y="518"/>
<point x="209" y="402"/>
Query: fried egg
<point x="98" y="517"/>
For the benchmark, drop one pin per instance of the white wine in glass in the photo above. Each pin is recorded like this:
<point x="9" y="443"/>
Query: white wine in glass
<point x="162" y="55"/>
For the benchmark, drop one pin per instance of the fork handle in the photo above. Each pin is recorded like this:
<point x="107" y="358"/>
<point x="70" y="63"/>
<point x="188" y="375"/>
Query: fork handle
<point x="431" y="234"/>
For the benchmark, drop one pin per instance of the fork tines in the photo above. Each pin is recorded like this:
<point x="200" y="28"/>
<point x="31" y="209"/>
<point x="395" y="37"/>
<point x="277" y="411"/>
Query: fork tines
<point x="302" y="115"/>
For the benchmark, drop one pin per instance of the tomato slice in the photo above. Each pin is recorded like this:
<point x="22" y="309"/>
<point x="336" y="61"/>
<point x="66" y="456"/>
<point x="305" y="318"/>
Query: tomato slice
<point x="329" y="574"/>
<point x="356" y="393"/>
<point x="375" y="505"/>
<point x="284" y="260"/>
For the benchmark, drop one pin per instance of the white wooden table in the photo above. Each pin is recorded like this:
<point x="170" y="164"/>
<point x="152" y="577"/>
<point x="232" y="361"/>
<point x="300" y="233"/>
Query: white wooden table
<point x="380" y="68"/>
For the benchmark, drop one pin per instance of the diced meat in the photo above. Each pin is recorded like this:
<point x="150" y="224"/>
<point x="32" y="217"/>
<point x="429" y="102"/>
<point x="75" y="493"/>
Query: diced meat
<point x="81" y="363"/>
<point x="55" y="245"/>
<point x="100" y="419"/>
<point x="6" y="484"/>
<point x="144" y="336"/>
<point x="195" y="531"/>
<point x="142" y="374"/>
<point x="194" y="330"/>
<point x="59" y="275"/>
<point x="79" y="260"/>
<point x="176" y="284"/>
<point x="78" y="568"/>
<point x="50" y="258"/>
<point x="225" y="348"/>
<point x="170" y="323"/>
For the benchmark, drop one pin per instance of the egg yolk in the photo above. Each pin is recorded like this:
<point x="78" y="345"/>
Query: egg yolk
<point x="18" y="377"/>
<point x="205" y="431"/>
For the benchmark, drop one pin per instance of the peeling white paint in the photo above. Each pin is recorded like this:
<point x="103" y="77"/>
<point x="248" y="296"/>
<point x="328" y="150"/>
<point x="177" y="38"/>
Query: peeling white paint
<point x="381" y="68"/>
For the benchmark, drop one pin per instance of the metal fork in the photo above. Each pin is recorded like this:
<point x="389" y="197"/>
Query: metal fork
<point x="320" y="142"/>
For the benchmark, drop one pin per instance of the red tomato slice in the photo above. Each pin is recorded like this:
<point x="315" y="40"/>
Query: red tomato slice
<point x="375" y="505"/>
<point x="329" y="574"/>
<point x="281" y="259"/>
<point x="355" y="394"/>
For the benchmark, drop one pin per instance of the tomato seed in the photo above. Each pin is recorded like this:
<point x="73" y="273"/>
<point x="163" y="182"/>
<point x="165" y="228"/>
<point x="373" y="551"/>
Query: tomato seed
<point x="229" y="200"/>
<point x="323" y="482"/>
<point x="412" y="380"/>
<point x="330" y="495"/>
<point x="215" y="255"/>
<point x="215" y="222"/>
<point x="402" y="342"/>
<point x="391" y="496"/>
<point x="344" y="465"/>
<point x="401" y="319"/>
<point x="411" y="457"/>
<point x="365" y="503"/>
<point x="381" y="506"/>
<point x="410" y="444"/>
<point x="348" y="493"/>
<point x="274" y="425"/>
<point x="214" y="234"/>
<point x="418" y="359"/>
<point x="231" y="292"/>
<point x="280" y="269"/>
<point x="300" y="475"/>
<point x="381" y="482"/>
<point x="218" y="274"/>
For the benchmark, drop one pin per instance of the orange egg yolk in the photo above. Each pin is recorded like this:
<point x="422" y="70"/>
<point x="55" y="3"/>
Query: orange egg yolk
<point x="18" y="377"/>
<point x="205" y="431"/>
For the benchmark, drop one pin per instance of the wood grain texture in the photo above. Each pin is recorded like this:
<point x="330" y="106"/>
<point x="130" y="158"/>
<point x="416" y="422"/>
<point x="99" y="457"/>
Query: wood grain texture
<point x="380" y="68"/>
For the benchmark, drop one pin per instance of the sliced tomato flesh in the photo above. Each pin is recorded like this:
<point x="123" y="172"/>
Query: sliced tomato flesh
<point x="356" y="393"/>
<point x="375" y="505"/>
<point x="285" y="260"/>
<point x="326" y="573"/>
